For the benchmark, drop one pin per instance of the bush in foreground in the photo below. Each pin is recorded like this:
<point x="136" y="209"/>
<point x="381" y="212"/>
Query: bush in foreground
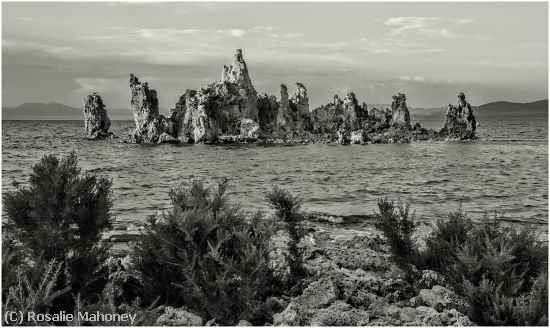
<point x="287" y="209"/>
<point x="206" y="255"/>
<point x="397" y="225"/>
<point x="499" y="271"/>
<point x="60" y="216"/>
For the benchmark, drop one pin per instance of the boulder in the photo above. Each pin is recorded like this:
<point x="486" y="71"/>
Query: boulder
<point x="340" y="314"/>
<point x="460" y="120"/>
<point x="293" y="315"/>
<point x="244" y="323"/>
<point x="178" y="317"/>
<point x="399" y="111"/>
<point x="318" y="294"/>
<point x="440" y="298"/>
<point x="96" y="121"/>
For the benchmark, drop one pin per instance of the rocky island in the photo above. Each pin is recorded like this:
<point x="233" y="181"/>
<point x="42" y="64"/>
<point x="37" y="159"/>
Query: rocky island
<point x="231" y="110"/>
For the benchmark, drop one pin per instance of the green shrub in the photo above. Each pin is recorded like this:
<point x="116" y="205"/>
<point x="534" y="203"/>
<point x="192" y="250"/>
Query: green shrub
<point x="207" y="255"/>
<point x="287" y="209"/>
<point x="60" y="216"/>
<point x="397" y="226"/>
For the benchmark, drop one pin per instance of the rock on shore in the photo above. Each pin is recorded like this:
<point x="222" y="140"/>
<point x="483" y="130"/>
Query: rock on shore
<point x="352" y="282"/>
<point x="96" y="121"/>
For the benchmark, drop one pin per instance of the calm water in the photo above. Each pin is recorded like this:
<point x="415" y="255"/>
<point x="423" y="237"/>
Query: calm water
<point x="506" y="171"/>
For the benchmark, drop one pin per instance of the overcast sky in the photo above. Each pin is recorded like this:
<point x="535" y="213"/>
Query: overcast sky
<point x="430" y="51"/>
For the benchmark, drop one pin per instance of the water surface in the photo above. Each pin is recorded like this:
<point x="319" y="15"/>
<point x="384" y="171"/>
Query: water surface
<point x="505" y="171"/>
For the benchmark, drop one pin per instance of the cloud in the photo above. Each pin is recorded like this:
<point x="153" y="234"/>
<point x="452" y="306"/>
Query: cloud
<point x="88" y="85"/>
<point x="264" y="28"/>
<point x="532" y="45"/>
<point x="55" y="50"/>
<point x="413" y="78"/>
<point x="428" y="26"/>
<point x="490" y="63"/>
<point x="38" y="20"/>
<point x="396" y="47"/>
<point x="172" y="33"/>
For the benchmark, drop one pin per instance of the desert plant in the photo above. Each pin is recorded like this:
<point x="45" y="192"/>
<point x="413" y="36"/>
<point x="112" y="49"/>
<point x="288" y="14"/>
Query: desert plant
<point x="397" y="225"/>
<point x="287" y="209"/>
<point x="60" y="216"/>
<point x="444" y="240"/>
<point x="30" y="295"/>
<point x="207" y="255"/>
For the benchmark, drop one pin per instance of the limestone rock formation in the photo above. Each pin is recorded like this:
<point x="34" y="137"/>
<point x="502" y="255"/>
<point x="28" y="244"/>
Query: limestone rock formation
<point x="150" y="125"/>
<point x="299" y="100"/>
<point x="353" y="113"/>
<point x="400" y="112"/>
<point x="144" y="103"/>
<point x="96" y="121"/>
<point x="340" y="114"/>
<point x="268" y="108"/>
<point x="237" y="74"/>
<point x="285" y="119"/>
<point x="299" y="104"/>
<point x="382" y="115"/>
<point x="460" y="122"/>
<point x="217" y="109"/>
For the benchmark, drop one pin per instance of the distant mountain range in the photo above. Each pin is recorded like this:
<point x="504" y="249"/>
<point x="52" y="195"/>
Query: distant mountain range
<point x="57" y="111"/>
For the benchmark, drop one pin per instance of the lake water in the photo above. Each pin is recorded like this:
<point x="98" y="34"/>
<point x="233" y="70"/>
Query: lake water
<point x="506" y="171"/>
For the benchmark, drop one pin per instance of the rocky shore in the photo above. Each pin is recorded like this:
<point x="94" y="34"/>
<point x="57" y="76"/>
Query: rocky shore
<point x="232" y="111"/>
<point x="351" y="281"/>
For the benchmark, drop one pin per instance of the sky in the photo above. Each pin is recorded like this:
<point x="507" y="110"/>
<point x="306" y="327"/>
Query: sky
<point x="60" y="52"/>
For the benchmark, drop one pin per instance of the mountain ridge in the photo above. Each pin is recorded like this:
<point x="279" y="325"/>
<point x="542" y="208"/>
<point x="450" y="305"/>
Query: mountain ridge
<point x="58" y="111"/>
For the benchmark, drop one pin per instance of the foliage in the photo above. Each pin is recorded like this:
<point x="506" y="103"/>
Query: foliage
<point x="397" y="226"/>
<point x="287" y="209"/>
<point x="60" y="216"/>
<point x="207" y="255"/>
<point x="144" y="316"/>
<point x="444" y="240"/>
<point x="29" y="295"/>
<point x="499" y="271"/>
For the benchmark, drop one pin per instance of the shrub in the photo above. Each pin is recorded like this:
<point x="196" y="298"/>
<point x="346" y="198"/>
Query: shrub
<point x="397" y="226"/>
<point x="287" y="209"/>
<point x="30" y="295"/>
<point x="444" y="240"/>
<point x="60" y="216"/>
<point x="496" y="269"/>
<point x="207" y="255"/>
